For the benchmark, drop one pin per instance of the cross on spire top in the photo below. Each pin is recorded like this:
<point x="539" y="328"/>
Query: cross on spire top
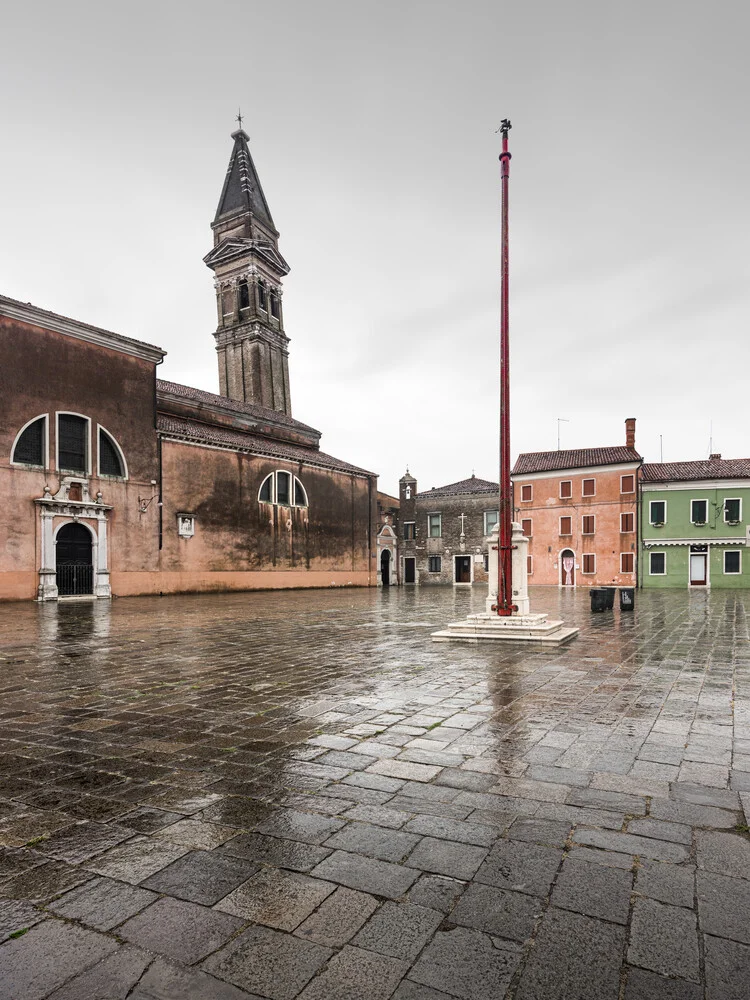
<point x="238" y="117"/>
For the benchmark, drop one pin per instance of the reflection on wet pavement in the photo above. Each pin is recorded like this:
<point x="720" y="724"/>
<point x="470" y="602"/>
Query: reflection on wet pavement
<point x="299" y="794"/>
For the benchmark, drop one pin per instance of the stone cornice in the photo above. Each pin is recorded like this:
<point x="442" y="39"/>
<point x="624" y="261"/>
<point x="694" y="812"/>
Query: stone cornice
<point x="25" y="312"/>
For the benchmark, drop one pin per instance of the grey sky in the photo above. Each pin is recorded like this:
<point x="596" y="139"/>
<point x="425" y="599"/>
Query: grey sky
<point x="372" y="128"/>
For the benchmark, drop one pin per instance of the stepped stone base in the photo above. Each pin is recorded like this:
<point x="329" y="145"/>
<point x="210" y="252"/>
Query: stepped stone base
<point x="515" y="628"/>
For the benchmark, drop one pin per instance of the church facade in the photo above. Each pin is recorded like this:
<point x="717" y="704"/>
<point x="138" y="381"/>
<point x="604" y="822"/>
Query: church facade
<point x="153" y="487"/>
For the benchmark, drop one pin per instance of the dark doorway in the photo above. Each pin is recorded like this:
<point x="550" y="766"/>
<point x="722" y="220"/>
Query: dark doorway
<point x="463" y="569"/>
<point x="385" y="568"/>
<point x="410" y="570"/>
<point x="75" y="572"/>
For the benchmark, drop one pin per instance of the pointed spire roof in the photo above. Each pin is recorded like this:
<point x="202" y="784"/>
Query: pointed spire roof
<point x="242" y="191"/>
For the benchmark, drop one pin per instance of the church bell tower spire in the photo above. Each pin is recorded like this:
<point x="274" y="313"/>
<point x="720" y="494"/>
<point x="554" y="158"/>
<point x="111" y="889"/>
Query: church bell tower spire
<point x="251" y="344"/>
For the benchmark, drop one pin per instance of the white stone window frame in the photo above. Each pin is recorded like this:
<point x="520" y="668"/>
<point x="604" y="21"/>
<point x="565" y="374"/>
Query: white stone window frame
<point x="734" y="520"/>
<point x="627" y="475"/>
<point x="731" y="572"/>
<point x="622" y="557"/>
<point x="650" y="512"/>
<point x="410" y="537"/>
<point x="295" y="481"/>
<point x="45" y="446"/>
<point x="530" y="488"/>
<point x="488" y="530"/>
<point x="565" y="534"/>
<point x="583" y="521"/>
<point x="439" y="516"/>
<point x="566" y="496"/>
<point x="693" y="519"/>
<point x="530" y="521"/>
<point x="651" y="561"/>
<point x="438" y="560"/>
<point x="72" y="472"/>
<point x="120" y="452"/>
<point x="529" y="565"/>
<point x="589" y="556"/>
<point x="623" y="514"/>
<point x="588" y="479"/>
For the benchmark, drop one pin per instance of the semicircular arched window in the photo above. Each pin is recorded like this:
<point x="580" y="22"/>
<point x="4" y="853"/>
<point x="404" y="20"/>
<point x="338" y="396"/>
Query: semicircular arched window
<point x="283" y="489"/>
<point x="111" y="458"/>
<point x="30" y="447"/>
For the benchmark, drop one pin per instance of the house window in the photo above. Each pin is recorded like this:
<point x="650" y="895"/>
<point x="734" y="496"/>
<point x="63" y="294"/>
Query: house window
<point x="526" y="526"/>
<point x="657" y="512"/>
<point x="588" y="524"/>
<point x="529" y="565"/>
<point x="244" y="295"/>
<point x="588" y="488"/>
<point x="627" y="560"/>
<point x="589" y="563"/>
<point x="435" y="525"/>
<point x="409" y="530"/>
<point x="31" y="444"/>
<point x="274" y="305"/>
<point x="627" y="484"/>
<point x="732" y="511"/>
<point x="699" y="511"/>
<point x="627" y="522"/>
<point x="566" y="489"/>
<point x="111" y="461"/>
<point x="732" y="561"/>
<point x="435" y="564"/>
<point x="277" y="488"/>
<point x="566" y="525"/>
<point x="72" y="443"/>
<point x="527" y="493"/>
<point x="490" y="520"/>
<point x="262" y="296"/>
<point x="657" y="563"/>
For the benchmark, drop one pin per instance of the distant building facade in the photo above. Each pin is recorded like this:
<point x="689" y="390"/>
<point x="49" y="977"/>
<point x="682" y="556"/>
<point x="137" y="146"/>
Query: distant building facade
<point x="387" y="541"/>
<point x="115" y="482"/>
<point x="579" y="509"/>
<point x="444" y="532"/>
<point x="695" y="524"/>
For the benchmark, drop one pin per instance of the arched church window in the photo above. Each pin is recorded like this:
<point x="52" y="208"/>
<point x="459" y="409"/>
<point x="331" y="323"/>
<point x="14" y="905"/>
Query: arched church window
<point x="72" y="443"/>
<point x="111" y="459"/>
<point x="283" y="489"/>
<point x="262" y="296"/>
<point x="274" y="305"/>
<point x="31" y="444"/>
<point x="244" y="295"/>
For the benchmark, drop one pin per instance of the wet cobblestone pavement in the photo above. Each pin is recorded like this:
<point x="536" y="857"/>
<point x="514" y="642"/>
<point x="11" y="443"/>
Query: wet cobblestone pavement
<point x="300" y="795"/>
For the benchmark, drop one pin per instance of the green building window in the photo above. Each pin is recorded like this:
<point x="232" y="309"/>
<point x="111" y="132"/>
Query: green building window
<point x="657" y="512"/>
<point x="732" y="561"/>
<point x="732" y="511"/>
<point x="699" y="511"/>
<point x="657" y="563"/>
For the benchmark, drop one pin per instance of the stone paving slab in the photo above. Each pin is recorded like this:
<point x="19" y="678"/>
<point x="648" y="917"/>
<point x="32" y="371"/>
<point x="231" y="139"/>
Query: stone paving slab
<point x="260" y="785"/>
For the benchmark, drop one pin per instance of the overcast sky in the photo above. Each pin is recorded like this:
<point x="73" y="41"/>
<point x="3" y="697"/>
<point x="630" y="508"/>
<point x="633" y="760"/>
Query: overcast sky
<point x="372" y="127"/>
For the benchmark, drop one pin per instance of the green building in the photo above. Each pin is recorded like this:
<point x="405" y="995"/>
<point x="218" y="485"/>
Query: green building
<point x="694" y="524"/>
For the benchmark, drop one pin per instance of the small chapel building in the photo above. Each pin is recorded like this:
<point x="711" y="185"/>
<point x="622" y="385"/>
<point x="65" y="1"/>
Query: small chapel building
<point x="116" y="482"/>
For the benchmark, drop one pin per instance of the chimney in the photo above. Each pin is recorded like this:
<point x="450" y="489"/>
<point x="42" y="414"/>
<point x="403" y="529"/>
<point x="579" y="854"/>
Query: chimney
<point x="714" y="456"/>
<point x="630" y="432"/>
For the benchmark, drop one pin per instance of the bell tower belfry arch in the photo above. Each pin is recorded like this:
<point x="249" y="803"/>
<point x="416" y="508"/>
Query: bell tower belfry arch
<point x="251" y="344"/>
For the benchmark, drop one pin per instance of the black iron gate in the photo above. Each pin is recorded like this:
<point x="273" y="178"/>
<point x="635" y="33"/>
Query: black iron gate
<point x="75" y="570"/>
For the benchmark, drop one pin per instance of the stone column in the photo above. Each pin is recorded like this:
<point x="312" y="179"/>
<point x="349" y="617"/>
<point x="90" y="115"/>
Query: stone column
<point x="47" y="590"/>
<point x="101" y="584"/>
<point x="520" y="544"/>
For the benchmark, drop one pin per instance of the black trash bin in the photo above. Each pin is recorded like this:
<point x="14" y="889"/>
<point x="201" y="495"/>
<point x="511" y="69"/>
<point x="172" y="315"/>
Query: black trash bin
<point x="598" y="599"/>
<point x="610" y="592"/>
<point x="627" y="598"/>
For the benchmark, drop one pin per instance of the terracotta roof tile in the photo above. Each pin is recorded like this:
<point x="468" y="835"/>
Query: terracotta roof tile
<point x="462" y="488"/>
<point x="578" y="458"/>
<point x="717" y="468"/>
<point x="222" y="437"/>
<point x="212" y="399"/>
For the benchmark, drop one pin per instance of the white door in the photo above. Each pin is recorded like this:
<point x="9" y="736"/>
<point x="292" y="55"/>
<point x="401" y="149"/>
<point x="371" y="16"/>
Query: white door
<point x="698" y="569"/>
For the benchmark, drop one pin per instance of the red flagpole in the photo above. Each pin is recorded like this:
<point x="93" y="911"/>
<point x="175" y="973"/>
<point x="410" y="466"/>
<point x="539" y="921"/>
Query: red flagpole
<point x="505" y="604"/>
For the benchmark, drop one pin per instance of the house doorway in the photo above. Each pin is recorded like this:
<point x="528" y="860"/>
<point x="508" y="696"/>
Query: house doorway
<point x="385" y="568"/>
<point x="74" y="565"/>
<point x="698" y="569"/>
<point x="410" y="569"/>
<point x="568" y="568"/>
<point x="462" y="569"/>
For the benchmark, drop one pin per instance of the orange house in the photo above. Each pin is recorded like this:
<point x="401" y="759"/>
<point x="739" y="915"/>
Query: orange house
<point x="579" y="511"/>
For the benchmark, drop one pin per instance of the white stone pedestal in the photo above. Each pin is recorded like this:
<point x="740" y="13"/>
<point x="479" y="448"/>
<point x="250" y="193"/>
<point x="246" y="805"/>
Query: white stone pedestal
<point x="521" y="626"/>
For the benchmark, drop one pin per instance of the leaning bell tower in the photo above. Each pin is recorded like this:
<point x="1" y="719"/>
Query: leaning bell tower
<point x="251" y="344"/>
